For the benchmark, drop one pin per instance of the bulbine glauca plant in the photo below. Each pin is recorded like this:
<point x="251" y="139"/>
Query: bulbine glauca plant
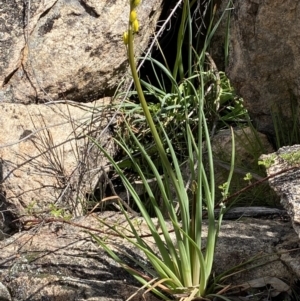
<point x="181" y="265"/>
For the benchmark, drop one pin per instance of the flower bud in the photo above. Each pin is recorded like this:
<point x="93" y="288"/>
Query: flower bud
<point x="133" y="16"/>
<point x="135" y="26"/>
<point x="125" y="37"/>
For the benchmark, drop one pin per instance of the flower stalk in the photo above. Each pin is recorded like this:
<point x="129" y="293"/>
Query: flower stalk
<point x="128" y="38"/>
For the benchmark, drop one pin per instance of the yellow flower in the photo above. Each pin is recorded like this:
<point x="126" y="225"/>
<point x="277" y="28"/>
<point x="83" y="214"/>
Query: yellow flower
<point x="133" y="16"/>
<point x="125" y="37"/>
<point x="135" y="25"/>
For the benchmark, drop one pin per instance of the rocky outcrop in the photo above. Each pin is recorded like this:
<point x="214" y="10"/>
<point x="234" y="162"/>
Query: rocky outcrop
<point x="264" y="58"/>
<point x="61" y="49"/>
<point x="61" y="262"/>
<point x="249" y="145"/>
<point x="61" y="53"/>
<point x="48" y="161"/>
<point x="56" y="260"/>
<point x="283" y="167"/>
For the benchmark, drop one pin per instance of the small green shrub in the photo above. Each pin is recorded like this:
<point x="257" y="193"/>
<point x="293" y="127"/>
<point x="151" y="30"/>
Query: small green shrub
<point x="267" y="162"/>
<point x="292" y="158"/>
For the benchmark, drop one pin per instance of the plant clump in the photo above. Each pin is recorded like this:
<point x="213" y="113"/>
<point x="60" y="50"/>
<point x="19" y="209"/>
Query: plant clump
<point x="181" y="267"/>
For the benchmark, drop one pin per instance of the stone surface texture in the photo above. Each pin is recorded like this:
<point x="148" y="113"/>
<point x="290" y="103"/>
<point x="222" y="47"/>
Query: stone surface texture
<point x="249" y="145"/>
<point x="67" y="49"/>
<point x="59" y="261"/>
<point x="286" y="164"/>
<point x="264" y="58"/>
<point x="48" y="161"/>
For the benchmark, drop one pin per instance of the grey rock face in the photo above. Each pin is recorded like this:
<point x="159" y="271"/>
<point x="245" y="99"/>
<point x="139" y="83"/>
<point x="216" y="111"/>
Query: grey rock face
<point x="284" y="164"/>
<point x="283" y="169"/>
<point x="67" y="49"/>
<point x="48" y="161"/>
<point x="60" y="261"/>
<point x="4" y="293"/>
<point x="265" y="57"/>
